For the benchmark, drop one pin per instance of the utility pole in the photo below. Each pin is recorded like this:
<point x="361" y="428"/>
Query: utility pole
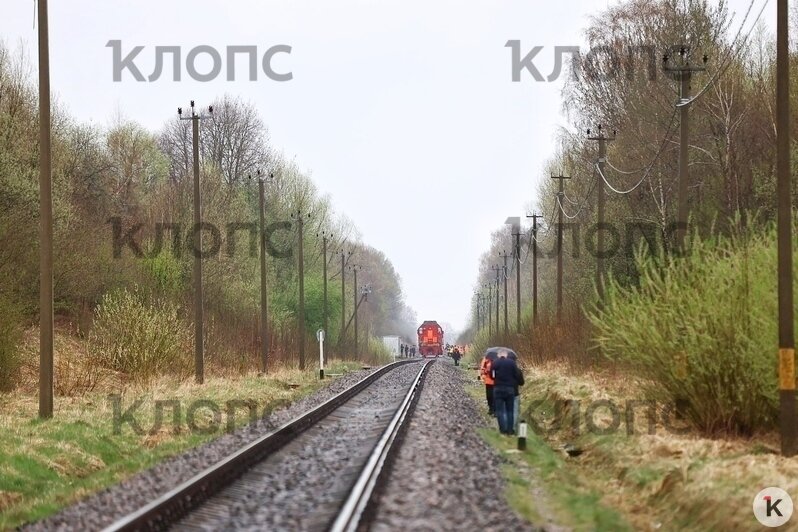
<point x="505" y="256"/>
<point x="560" y="196"/>
<point x="45" y="224"/>
<point x="264" y="324"/>
<point x="535" y="266"/>
<point x="354" y="269"/>
<point x="787" y="413"/>
<point x="344" y="255"/>
<point x="602" y="140"/>
<point x="515" y="224"/>
<point x="199" y="335"/>
<point x="683" y="73"/>
<point x="364" y="293"/>
<point x="301" y="263"/>
<point x="497" y="269"/>
<point x="365" y="290"/>
<point x="517" y="236"/>
<point x="478" y="302"/>
<point x="325" y="236"/>
<point x="489" y="309"/>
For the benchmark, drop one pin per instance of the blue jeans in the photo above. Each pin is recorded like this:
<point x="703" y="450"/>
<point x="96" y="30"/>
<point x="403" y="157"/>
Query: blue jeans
<point x="503" y="399"/>
<point x="516" y="412"/>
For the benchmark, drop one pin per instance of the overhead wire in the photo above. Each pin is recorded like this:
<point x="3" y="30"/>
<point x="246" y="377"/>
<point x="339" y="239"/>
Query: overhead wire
<point x="726" y="62"/>
<point x="581" y="206"/>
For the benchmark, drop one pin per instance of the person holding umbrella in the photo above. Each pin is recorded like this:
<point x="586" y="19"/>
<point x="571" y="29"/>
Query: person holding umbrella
<point x="507" y="378"/>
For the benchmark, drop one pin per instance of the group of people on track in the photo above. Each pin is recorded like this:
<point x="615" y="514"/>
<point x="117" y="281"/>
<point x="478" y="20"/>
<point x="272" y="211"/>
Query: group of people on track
<point x="502" y="377"/>
<point x="407" y="350"/>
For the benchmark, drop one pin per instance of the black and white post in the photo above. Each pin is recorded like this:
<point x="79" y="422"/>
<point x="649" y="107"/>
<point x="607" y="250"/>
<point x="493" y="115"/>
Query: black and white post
<point x="320" y="338"/>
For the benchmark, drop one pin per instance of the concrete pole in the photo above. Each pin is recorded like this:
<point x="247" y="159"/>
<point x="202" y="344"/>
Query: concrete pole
<point x="46" y="224"/>
<point x="199" y="347"/>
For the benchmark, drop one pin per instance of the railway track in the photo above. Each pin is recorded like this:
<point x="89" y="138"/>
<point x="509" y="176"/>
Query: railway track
<point x="318" y="472"/>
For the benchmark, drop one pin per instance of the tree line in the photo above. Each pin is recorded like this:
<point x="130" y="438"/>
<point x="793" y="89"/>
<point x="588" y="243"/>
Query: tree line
<point x="126" y="178"/>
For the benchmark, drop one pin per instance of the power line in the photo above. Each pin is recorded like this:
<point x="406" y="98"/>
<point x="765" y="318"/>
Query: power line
<point x="584" y="202"/>
<point x="726" y="62"/>
<point x="617" y="191"/>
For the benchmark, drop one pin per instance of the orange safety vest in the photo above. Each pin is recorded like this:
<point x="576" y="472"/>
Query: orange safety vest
<point x="484" y="369"/>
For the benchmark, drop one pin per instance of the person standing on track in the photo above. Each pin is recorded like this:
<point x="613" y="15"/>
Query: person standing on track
<point x="506" y="379"/>
<point x="456" y="355"/>
<point x="487" y="379"/>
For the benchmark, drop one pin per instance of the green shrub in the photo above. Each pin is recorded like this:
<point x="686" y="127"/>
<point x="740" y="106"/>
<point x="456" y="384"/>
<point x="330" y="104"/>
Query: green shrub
<point x="10" y="334"/>
<point x="139" y="338"/>
<point x="702" y="330"/>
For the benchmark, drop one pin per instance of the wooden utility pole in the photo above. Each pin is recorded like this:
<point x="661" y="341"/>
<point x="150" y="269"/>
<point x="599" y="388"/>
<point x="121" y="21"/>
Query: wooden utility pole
<point x="517" y="236"/>
<point x="787" y="411"/>
<point x="683" y="73"/>
<point x="199" y="335"/>
<point x="363" y="297"/>
<point x="301" y="260"/>
<point x="497" y="269"/>
<point x="490" y="309"/>
<point x="264" y="324"/>
<point x="354" y="269"/>
<point x="325" y="236"/>
<point x="46" y="328"/>
<point x="343" y="295"/>
<point x="504" y="255"/>
<point x="602" y="140"/>
<point x="344" y="255"/>
<point x="479" y="313"/>
<point x="535" y="266"/>
<point x="560" y="196"/>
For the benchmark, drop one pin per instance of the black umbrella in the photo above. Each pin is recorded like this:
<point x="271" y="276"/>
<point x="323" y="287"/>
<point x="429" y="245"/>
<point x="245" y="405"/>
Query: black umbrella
<point x="493" y="352"/>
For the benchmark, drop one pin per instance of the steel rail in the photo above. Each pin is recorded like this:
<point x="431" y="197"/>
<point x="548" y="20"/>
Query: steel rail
<point x="179" y="501"/>
<point x="359" y="505"/>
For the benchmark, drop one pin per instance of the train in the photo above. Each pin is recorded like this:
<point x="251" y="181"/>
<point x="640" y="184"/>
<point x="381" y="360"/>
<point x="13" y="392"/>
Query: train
<point x="430" y="339"/>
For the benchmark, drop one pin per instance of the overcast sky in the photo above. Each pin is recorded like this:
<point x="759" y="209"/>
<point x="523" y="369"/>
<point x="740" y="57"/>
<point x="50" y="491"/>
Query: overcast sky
<point x="403" y="110"/>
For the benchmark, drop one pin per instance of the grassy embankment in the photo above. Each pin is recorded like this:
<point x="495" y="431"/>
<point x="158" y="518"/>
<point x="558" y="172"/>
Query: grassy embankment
<point x="543" y="488"/>
<point x="695" y="334"/>
<point x="47" y="465"/>
<point x="643" y="481"/>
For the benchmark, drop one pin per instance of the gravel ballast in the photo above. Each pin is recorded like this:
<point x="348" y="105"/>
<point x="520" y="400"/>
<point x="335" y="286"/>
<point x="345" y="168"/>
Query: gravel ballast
<point x="446" y="477"/>
<point x="302" y="486"/>
<point x="97" y="511"/>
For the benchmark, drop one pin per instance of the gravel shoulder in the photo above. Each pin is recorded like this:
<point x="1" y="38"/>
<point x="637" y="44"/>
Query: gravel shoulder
<point x="446" y="477"/>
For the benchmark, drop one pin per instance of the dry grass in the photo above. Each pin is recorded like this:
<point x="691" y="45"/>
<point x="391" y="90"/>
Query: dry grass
<point x="74" y="371"/>
<point x="661" y="481"/>
<point x="49" y="464"/>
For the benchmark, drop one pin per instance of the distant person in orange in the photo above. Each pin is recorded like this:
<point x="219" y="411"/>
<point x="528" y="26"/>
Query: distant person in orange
<point x="487" y="378"/>
<point x="456" y="355"/>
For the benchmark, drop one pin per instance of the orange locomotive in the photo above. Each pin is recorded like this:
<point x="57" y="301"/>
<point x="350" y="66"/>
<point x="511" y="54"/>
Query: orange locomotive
<point x="430" y="339"/>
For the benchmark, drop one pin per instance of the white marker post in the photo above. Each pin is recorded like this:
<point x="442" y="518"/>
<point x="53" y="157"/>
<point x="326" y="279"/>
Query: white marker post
<point x="320" y="338"/>
<point x="522" y="436"/>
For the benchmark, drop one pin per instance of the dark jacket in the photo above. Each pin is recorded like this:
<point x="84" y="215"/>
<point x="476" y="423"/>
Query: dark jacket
<point x="506" y="373"/>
